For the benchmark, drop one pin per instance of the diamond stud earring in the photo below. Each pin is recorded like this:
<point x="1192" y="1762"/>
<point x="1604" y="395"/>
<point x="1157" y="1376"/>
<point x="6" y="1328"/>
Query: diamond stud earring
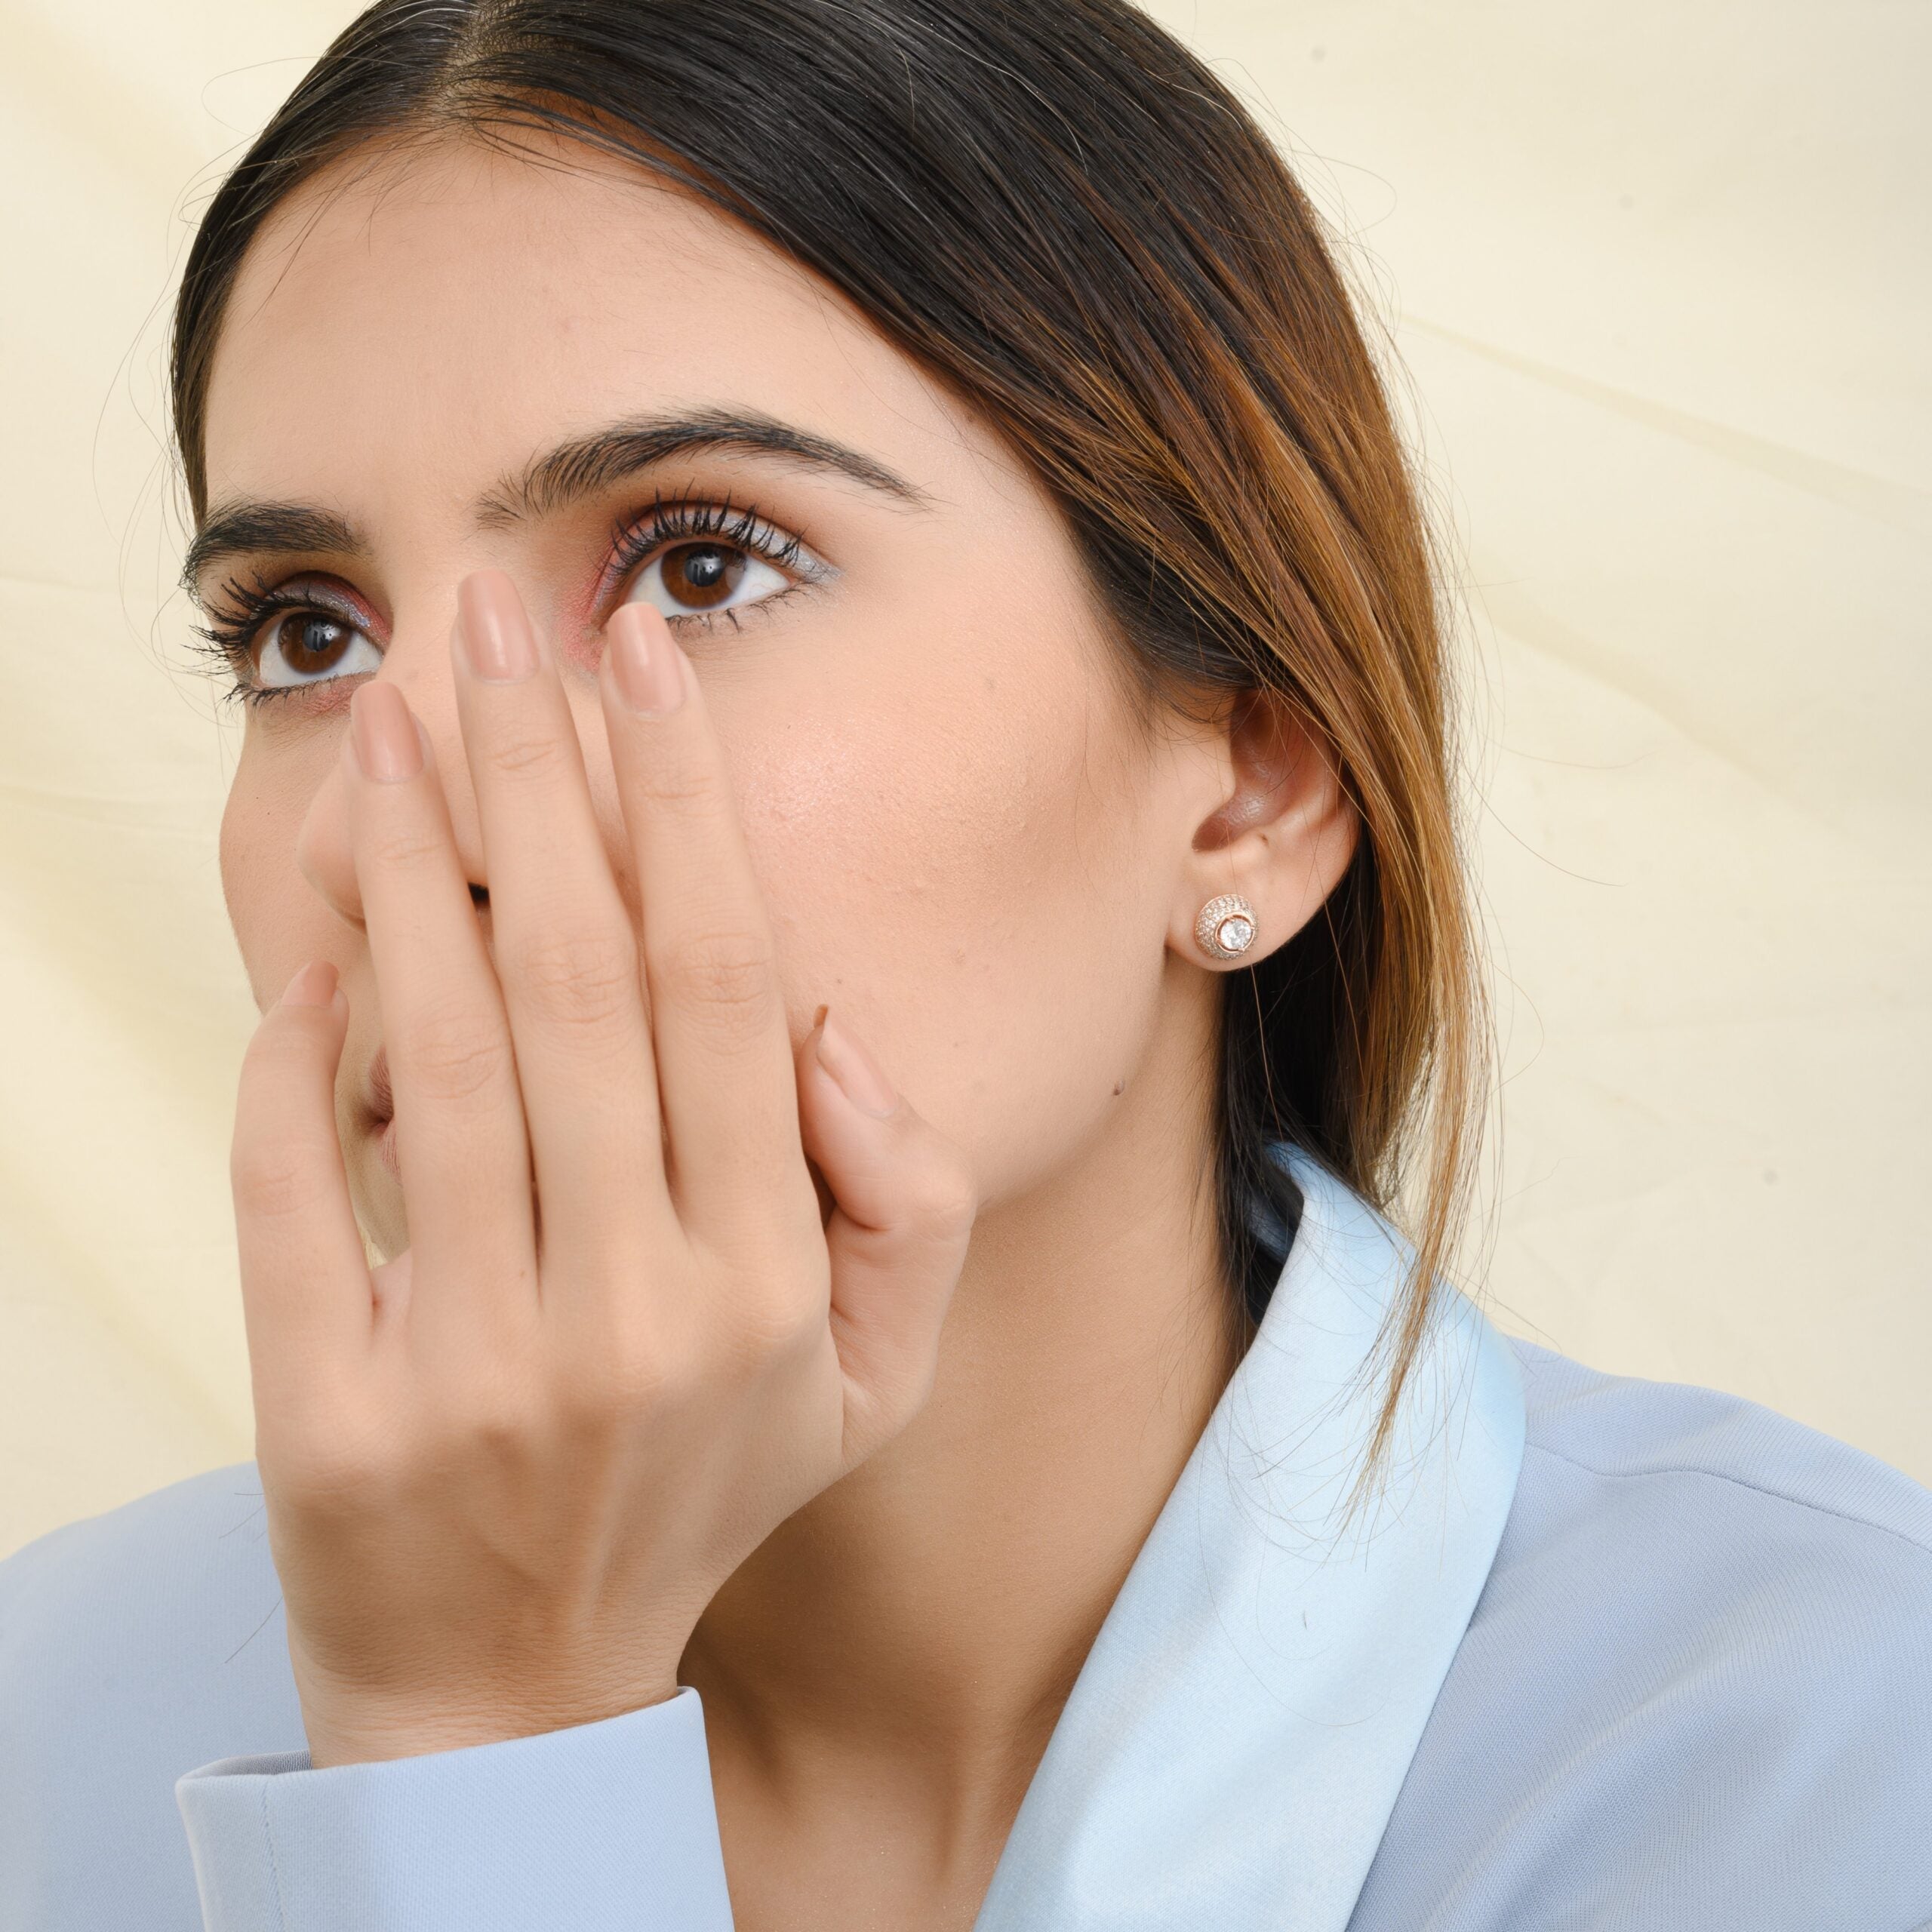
<point x="1225" y="926"/>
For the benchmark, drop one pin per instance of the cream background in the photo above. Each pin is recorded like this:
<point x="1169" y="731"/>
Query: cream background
<point x="1659" y="273"/>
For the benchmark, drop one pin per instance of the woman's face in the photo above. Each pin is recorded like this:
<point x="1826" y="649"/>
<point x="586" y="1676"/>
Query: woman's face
<point x="967" y="845"/>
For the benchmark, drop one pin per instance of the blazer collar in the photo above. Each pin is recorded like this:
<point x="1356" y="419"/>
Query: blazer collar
<point x="1233" y="1746"/>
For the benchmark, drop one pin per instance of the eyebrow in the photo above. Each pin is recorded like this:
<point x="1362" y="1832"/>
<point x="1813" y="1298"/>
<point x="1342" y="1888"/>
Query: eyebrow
<point x="585" y="464"/>
<point x="236" y="529"/>
<point x="560" y="477"/>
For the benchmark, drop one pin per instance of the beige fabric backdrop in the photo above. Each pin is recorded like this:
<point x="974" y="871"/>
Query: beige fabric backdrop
<point x="1658" y="272"/>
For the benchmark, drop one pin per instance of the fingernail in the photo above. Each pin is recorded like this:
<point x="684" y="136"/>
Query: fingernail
<point x="386" y="746"/>
<point x="498" y="643"/>
<point x="644" y="657"/>
<point x="855" y="1070"/>
<point x="314" y="985"/>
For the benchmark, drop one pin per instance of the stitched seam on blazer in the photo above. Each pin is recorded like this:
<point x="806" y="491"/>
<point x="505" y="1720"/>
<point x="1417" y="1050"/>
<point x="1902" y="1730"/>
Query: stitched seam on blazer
<point x="274" y="1870"/>
<point x="1756" y="1489"/>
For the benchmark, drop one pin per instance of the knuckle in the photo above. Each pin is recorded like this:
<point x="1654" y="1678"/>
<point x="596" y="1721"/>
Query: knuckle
<point x="496" y="1418"/>
<point x="578" y="979"/>
<point x="347" y="1466"/>
<point x="674" y="785"/>
<point x="790" y="1331"/>
<point x="273" y="1179"/>
<point x="779" y="1324"/>
<point x="521" y="756"/>
<point x="488" y="1413"/>
<point x="404" y="847"/>
<point x="602" y="1392"/>
<point x="946" y="1198"/>
<point x="723" y="971"/>
<point x="453" y="1056"/>
<point x="635" y="1365"/>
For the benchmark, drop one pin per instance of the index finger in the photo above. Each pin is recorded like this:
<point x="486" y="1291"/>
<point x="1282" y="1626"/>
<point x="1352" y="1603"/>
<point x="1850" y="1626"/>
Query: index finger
<point x="306" y="1289"/>
<point x="726" y="1077"/>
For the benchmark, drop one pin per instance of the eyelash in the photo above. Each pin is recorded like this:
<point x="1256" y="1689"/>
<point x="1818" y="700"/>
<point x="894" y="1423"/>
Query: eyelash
<point x="634" y="538"/>
<point x="230" y="632"/>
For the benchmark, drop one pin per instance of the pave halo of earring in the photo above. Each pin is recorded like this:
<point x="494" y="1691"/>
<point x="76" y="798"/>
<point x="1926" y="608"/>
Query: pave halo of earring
<point x="1225" y="926"/>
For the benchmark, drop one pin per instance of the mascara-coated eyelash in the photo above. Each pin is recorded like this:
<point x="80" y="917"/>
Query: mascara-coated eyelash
<point x="634" y="538"/>
<point x="230" y="636"/>
<point x="703" y="530"/>
<point x="235" y="619"/>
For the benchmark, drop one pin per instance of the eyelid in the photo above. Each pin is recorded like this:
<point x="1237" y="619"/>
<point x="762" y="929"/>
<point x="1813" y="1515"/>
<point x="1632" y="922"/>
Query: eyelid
<point x="264" y="597"/>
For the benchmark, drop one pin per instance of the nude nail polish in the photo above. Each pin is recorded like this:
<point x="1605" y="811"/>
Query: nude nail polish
<point x="498" y="643"/>
<point x="383" y="731"/>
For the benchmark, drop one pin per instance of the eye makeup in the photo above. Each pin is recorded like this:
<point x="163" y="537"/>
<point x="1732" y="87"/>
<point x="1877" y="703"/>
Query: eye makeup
<point x="293" y="615"/>
<point x="634" y="540"/>
<point x="705" y="553"/>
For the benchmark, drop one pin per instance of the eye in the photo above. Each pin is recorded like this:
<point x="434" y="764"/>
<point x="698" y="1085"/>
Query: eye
<point x="307" y="646"/>
<point x="282" y="641"/>
<point x="695" y="559"/>
<point x="695" y="578"/>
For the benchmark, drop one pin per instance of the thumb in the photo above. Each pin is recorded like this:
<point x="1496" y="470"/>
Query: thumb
<point x="903" y="1203"/>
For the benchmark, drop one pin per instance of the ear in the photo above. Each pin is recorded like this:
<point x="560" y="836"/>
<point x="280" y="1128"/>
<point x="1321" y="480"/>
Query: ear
<point x="1281" y="835"/>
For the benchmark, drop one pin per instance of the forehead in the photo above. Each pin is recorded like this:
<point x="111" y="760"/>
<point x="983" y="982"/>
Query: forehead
<point x="450" y="307"/>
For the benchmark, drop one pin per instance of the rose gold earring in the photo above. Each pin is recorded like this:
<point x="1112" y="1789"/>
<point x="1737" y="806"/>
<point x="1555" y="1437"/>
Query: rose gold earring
<point x="1225" y="926"/>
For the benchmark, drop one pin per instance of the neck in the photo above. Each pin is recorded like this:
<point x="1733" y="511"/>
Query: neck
<point x="920" y="1624"/>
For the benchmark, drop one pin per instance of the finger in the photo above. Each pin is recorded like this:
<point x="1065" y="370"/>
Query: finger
<point x="459" y="1115"/>
<point x="726" y="1078"/>
<point x="903" y="1205"/>
<point x="567" y="954"/>
<point x="305" y="1293"/>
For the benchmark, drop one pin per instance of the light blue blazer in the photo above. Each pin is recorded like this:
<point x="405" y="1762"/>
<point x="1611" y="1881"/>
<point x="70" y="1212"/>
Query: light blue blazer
<point x="1611" y="1656"/>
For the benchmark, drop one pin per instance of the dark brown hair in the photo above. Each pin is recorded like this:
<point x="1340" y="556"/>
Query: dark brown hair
<point x="1058" y="209"/>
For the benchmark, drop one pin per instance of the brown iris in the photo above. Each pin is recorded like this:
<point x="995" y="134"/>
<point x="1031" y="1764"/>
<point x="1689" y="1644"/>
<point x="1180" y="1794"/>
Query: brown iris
<point x="703" y="575"/>
<point x="310" y="641"/>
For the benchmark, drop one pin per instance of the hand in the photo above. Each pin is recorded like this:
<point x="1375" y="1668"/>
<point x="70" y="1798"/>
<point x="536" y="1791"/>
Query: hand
<point x="505" y="1470"/>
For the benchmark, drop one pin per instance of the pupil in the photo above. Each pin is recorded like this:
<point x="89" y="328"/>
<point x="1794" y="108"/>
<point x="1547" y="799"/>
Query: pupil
<point x="315" y="636"/>
<point x="703" y="574"/>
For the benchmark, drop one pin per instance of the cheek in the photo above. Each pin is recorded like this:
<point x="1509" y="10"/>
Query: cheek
<point x="263" y="888"/>
<point x="957" y="867"/>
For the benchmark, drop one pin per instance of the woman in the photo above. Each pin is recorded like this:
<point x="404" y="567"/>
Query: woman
<point x="845" y="840"/>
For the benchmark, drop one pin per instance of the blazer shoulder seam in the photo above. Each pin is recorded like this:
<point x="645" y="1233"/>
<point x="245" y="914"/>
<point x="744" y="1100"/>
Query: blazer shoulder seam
<point x="1740" y="1482"/>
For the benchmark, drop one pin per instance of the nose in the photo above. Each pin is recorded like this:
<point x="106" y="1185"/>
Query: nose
<point x="416" y="661"/>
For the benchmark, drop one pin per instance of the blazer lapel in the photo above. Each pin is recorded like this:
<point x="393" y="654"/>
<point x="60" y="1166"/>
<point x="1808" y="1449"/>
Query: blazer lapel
<point x="1233" y="1746"/>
